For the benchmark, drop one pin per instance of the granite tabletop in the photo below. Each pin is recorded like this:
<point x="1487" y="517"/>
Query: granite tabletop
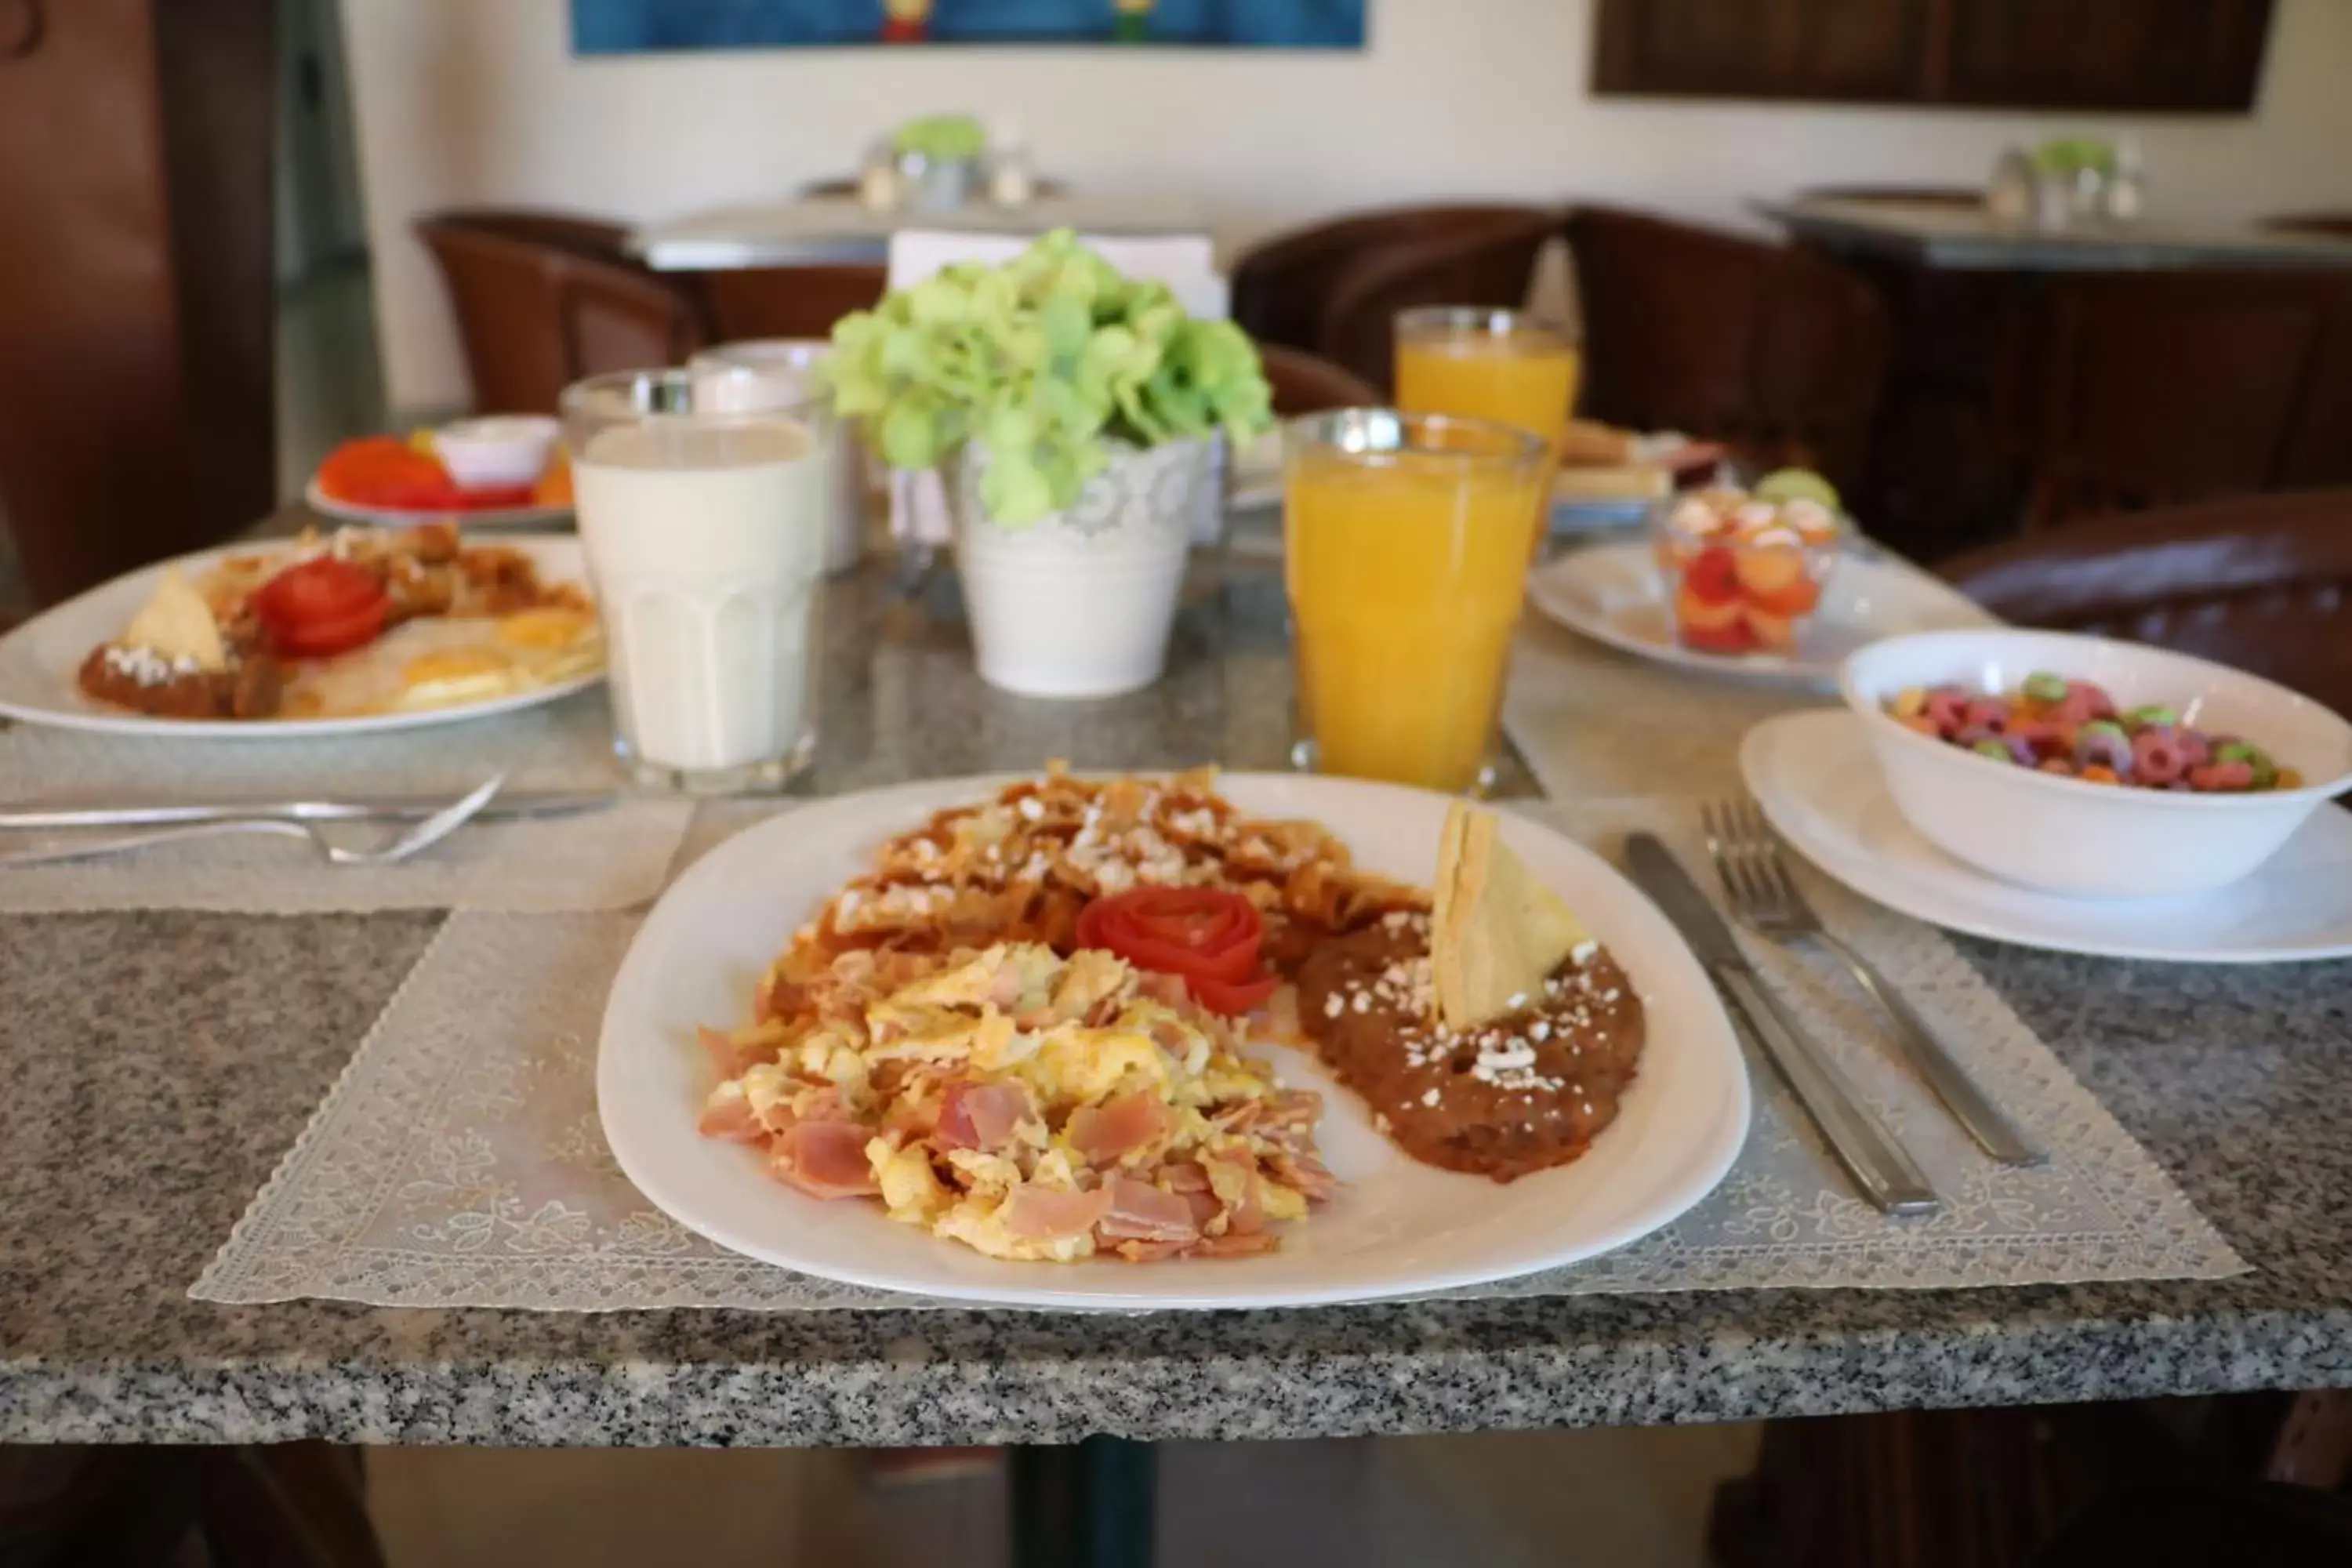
<point x="157" y="1066"/>
<point x="1963" y="237"/>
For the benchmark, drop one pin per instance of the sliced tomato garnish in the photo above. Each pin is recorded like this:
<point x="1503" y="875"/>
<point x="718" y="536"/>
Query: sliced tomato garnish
<point x="322" y="639"/>
<point x="1207" y="936"/>
<point x="1233" y="999"/>
<point x="322" y="607"/>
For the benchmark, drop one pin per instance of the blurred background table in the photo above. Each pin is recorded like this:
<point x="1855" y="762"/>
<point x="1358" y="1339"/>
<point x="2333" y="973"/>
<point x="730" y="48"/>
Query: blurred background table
<point x="839" y="229"/>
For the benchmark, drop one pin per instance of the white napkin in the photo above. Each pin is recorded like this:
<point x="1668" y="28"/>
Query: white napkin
<point x="920" y="513"/>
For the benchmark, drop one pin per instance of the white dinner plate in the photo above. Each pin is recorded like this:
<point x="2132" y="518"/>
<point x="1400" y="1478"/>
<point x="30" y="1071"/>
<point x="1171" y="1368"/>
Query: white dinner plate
<point x="1814" y="775"/>
<point x="1612" y="592"/>
<point x="39" y="660"/>
<point x="325" y="505"/>
<point x="1394" y="1228"/>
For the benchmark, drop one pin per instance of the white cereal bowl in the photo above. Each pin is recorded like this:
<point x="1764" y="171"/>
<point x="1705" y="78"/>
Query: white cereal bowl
<point x="503" y="449"/>
<point x="2063" y="835"/>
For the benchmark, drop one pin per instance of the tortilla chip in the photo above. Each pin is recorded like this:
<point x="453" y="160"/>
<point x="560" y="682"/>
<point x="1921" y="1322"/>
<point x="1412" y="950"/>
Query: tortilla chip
<point x="1497" y="933"/>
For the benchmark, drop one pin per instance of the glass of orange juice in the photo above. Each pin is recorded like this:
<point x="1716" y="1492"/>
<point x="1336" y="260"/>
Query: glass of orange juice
<point x="1406" y="539"/>
<point x="1478" y="363"/>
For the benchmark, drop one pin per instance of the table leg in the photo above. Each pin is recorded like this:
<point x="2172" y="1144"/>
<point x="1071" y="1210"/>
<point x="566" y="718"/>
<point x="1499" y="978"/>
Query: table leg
<point x="1086" y="1505"/>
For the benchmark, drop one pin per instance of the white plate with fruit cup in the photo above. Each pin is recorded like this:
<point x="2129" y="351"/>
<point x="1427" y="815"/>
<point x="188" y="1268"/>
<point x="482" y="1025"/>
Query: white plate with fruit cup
<point x="1614" y="592"/>
<point x="1744" y="573"/>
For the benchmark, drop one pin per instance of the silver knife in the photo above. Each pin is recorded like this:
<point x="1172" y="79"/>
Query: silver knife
<point x="1887" y="1175"/>
<point x="508" y="807"/>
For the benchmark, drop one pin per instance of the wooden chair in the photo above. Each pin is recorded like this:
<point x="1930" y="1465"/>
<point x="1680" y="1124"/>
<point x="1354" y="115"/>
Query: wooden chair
<point x="1939" y="195"/>
<point x="1283" y="286"/>
<point x="786" y="301"/>
<point x="544" y="299"/>
<point x="1306" y="383"/>
<point x="2146" y="389"/>
<point x="1358" y="328"/>
<point x="2338" y="223"/>
<point x="2261" y="582"/>
<point x="1775" y="350"/>
<point x="827" y="189"/>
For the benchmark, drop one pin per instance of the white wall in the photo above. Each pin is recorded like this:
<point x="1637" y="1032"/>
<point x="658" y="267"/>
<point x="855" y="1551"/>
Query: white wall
<point x="481" y="101"/>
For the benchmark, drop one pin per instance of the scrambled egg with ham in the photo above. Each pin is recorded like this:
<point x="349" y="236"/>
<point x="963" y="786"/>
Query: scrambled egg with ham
<point x="1031" y="1107"/>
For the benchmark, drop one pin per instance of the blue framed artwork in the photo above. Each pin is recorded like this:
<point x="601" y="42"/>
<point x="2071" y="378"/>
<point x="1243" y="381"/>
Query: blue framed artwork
<point x="629" y="27"/>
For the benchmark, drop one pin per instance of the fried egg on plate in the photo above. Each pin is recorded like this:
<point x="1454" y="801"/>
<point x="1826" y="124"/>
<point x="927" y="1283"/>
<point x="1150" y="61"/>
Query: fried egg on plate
<point x="443" y="661"/>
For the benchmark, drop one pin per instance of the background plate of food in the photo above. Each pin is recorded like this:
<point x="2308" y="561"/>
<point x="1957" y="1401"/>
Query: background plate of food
<point x="1164" y="1042"/>
<point x="365" y="630"/>
<point x="504" y="471"/>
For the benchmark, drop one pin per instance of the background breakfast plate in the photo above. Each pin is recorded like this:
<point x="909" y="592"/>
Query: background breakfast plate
<point x="39" y="658"/>
<point x="1815" y="777"/>
<point x="1396" y="1228"/>
<point x="325" y="505"/>
<point x="1612" y="592"/>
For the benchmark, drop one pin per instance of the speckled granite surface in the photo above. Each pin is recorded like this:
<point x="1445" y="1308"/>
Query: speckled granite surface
<point x="156" y="1065"/>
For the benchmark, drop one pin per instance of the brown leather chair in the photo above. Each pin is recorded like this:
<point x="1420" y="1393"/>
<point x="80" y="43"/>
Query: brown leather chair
<point x="2339" y="224"/>
<point x="544" y="299"/>
<point x="1492" y="268"/>
<point x="138" y="299"/>
<point x="1282" y="285"/>
<point x="2145" y="389"/>
<point x="1775" y="350"/>
<point x="786" y="301"/>
<point x="1303" y="383"/>
<point x="828" y="188"/>
<point x="2263" y="583"/>
<point x="1939" y="195"/>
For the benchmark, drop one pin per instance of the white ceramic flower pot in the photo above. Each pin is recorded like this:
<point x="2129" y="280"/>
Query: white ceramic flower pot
<point x="1079" y="604"/>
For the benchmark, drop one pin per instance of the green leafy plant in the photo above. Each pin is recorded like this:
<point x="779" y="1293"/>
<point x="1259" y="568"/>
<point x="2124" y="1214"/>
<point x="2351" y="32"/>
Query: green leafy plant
<point x="942" y="138"/>
<point x="2070" y="156"/>
<point x="1044" y="361"/>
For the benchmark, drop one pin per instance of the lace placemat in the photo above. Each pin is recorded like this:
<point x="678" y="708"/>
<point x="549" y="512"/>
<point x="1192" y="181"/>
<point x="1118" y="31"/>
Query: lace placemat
<point x="606" y="859"/>
<point x="460" y="1162"/>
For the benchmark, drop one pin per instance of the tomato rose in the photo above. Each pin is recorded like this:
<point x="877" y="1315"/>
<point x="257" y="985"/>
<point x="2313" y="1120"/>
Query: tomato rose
<point x="1206" y="936"/>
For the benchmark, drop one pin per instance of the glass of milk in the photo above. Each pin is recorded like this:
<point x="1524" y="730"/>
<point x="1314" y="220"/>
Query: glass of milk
<point x="705" y="529"/>
<point x="778" y="373"/>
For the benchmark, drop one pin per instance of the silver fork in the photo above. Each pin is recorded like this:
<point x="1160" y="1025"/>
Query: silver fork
<point x="414" y="840"/>
<point x="1766" y="899"/>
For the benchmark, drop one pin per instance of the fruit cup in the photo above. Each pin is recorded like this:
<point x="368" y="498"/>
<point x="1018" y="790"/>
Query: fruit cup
<point x="1743" y="573"/>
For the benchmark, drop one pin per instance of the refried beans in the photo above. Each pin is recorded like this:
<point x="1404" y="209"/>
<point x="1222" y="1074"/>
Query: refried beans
<point x="1523" y="1093"/>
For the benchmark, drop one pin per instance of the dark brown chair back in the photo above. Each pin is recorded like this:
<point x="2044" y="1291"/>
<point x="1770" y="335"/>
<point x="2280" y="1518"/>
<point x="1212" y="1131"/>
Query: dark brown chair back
<point x="539" y="307"/>
<point x="1303" y="383"/>
<point x="138" y="302"/>
<point x="831" y="188"/>
<point x="1282" y="285"/>
<point x="2261" y="582"/>
<point x="2336" y="223"/>
<point x="786" y="301"/>
<point x="1775" y="350"/>
<point x="1939" y="195"/>
<point x="1492" y="268"/>
<point x="2155" y="388"/>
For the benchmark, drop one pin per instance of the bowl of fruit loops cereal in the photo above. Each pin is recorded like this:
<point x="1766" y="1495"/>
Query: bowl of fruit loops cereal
<point x="2050" y="760"/>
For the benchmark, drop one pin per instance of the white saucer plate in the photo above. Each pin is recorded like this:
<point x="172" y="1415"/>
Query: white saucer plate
<point x="1612" y="592"/>
<point x="1815" y="777"/>
<point x="1394" y="1228"/>
<point x="39" y="660"/>
<point x="327" y="506"/>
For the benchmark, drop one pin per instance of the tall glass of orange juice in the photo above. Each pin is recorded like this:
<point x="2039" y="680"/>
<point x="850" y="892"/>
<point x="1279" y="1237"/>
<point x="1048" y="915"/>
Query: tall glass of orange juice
<point x="1407" y="538"/>
<point x="1503" y="366"/>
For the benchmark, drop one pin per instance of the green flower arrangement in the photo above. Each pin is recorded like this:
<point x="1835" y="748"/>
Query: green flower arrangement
<point x="1046" y="360"/>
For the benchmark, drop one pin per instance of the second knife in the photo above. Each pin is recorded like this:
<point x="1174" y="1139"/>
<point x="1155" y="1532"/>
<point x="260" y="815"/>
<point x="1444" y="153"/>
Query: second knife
<point x="1880" y="1166"/>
